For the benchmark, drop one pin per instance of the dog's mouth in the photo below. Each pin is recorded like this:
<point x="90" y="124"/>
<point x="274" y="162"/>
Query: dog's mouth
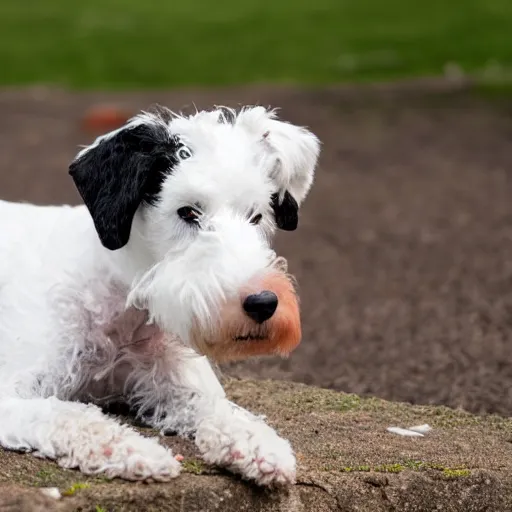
<point x="252" y="336"/>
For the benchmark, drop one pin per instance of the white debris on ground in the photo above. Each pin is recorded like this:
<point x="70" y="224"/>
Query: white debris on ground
<point x="52" y="492"/>
<point x="422" y="429"/>
<point x="404" y="432"/>
<point x="415" y="431"/>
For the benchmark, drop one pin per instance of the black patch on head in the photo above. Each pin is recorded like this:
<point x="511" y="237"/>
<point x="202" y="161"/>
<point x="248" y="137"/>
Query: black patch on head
<point x="226" y="115"/>
<point x="120" y="173"/>
<point x="286" y="213"/>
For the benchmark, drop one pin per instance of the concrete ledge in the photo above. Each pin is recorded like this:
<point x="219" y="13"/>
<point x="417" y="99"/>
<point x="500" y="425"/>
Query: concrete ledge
<point x="347" y="462"/>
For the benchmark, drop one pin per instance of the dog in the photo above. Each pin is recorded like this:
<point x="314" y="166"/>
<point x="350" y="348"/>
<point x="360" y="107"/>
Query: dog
<point x="135" y="295"/>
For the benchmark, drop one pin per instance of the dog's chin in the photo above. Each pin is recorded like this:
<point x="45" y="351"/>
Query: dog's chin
<point x="235" y="346"/>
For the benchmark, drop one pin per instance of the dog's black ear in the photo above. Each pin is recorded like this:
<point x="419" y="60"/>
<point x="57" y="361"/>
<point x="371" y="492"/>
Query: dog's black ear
<point x="119" y="172"/>
<point x="286" y="211"/>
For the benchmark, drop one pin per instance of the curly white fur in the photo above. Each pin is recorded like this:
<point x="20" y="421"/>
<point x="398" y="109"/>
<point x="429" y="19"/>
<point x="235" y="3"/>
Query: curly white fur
<point x="60" y="289"/>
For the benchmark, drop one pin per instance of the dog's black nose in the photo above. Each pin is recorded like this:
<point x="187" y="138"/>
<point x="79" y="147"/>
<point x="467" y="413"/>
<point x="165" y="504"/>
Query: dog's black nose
<point x="260" y="306"/>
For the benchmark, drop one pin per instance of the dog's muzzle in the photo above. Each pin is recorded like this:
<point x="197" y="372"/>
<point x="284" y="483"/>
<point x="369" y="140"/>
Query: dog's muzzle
<point x="263" y="320"/>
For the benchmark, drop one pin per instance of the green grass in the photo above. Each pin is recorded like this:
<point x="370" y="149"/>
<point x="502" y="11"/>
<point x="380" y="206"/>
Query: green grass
<point x="161" y="43"/>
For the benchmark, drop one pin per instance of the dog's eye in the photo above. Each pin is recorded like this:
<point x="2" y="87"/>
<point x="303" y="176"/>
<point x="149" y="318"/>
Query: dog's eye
<point x="188" y="214"/>
<point x="184" y="153"/>
<point x="256" y="219"/>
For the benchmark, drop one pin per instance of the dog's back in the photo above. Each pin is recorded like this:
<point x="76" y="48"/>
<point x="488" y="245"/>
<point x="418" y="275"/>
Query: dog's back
<point x="32" y="237"/>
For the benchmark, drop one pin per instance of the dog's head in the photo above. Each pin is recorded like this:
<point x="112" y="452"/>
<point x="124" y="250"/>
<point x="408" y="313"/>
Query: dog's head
<point x="199" y="197"/>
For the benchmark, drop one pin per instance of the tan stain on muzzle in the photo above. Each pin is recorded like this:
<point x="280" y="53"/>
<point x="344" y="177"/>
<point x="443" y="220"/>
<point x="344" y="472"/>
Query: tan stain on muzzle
<point x="239" y="337"/>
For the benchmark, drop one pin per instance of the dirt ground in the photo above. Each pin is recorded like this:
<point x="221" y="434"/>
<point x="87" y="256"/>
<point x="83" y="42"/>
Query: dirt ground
<point x="404" y="251"/>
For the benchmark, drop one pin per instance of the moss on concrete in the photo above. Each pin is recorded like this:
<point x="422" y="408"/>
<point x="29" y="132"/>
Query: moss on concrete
<point x="71" y="490"/>
<point x="193" y="466"/>
<point x="398" y="467"/>
<point x="456" y="473"/>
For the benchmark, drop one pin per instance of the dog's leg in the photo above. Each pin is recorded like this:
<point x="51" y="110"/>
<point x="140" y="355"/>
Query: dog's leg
<point x="81" y="436"/>
<point x="190" y="401"/>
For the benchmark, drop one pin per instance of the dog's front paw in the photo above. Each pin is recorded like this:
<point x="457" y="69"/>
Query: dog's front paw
<point x="126" y="455"/>
<point x="251" y="449"/>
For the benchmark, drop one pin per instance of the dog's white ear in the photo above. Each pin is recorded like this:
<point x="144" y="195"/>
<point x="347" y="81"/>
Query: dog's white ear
<point x="121" y="170"/>
<point x="293" y="152"/>
<point x="296" y="150"/>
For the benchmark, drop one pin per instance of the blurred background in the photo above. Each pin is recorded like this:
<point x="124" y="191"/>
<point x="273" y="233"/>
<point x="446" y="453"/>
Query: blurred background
<point x="404" y="251"/>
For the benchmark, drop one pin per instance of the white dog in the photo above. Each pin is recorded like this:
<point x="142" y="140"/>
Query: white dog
<point x="127" y="298"/>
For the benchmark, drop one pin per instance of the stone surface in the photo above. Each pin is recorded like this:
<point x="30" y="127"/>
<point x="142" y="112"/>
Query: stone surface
<point x="347" y="462"/>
